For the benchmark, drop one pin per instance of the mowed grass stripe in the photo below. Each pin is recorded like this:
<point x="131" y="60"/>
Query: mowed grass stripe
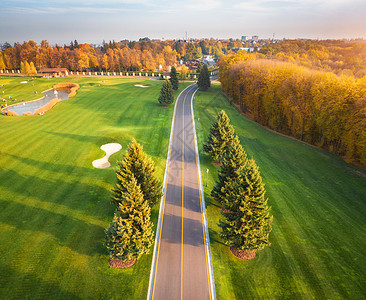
<point x="56" y="205"/>
<point x="319" y="233"/>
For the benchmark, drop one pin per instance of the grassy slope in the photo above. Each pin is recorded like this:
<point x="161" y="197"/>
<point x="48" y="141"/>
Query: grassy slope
<point x="318" y="203"/>
<point x="54" y="205"/>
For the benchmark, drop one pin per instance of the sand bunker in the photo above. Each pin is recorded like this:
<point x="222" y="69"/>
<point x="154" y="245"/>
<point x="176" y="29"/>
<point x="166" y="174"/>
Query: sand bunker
<point x="140" y="85"/>
<point x="109" y="149"/>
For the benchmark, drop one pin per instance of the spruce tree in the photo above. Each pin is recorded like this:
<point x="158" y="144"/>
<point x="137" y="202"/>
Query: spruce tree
<point x="247" y="222"/>
<point x="130" y="233"/>
<point x="199" y="68"/>
<point x="174" y="78"/>
<point x="204" y="79"/>
<point x="232" y="167"/>
<point x="136" y="164"/>
<point x="166" y="93"/>
<point x="220" y="137"/>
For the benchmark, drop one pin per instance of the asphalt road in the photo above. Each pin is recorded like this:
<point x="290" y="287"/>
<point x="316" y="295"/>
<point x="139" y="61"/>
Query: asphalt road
<point x="181" y="263"/>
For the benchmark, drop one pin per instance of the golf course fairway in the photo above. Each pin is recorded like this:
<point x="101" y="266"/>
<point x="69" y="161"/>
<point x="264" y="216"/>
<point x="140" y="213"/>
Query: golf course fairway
<point x="54" y="205"/>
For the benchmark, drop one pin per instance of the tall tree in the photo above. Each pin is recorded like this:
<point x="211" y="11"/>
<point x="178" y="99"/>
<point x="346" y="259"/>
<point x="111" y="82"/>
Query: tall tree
<point x="247" y="222"/>
<point x="33" y="70"/>
<point x="27" y="69"/>
<point x="22" y="68"/>
<point x="166" y="93"/>
<point x="233" y="164"/>
<point x="2" y="62"/>
<point x="204" y="79"/>
<point x="183" y="72"/>
<point x="174" y="78"/>
<point x="220" y="138"/>
<point x="199" y="68"/>
<point x="130" y="233"/>
<point x="136" y="164"/>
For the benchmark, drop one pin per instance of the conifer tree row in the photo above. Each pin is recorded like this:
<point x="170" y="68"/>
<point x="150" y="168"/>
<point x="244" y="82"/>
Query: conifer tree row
<point x="137" y="190"/>
<point x="136" y="164"/>
<point x="240" y="191"/>
<point x="220" y="138"/>
<point x="130" y="233"/>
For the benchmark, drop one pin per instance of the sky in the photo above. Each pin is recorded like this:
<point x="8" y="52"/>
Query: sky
<point x="92" y="21"/>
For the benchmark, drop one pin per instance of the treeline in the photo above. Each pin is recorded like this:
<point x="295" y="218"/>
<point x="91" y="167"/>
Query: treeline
<point x="320" y="108"/>
<point x="340" y="57"/>
<point x="113" y="56"/>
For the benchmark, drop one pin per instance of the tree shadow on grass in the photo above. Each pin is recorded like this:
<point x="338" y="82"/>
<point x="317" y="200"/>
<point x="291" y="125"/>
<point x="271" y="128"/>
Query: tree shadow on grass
<point x="50" y="166"/>
<point x="90" y="200"/>
<point x="215" y="237"/>
<point x="81" y="237"/>
<point x="29" y="286"/>
<point x="86" y="138"/>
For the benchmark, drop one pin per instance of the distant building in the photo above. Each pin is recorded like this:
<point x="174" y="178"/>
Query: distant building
<point x="54" y="72"/>
<point x="249" y="50"/>
<point x="245" y="38"/>
<point x="255" y="38"/>
<point x="208" y="60"/>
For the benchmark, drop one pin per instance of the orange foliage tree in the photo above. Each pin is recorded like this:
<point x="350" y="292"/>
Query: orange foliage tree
<point x="318" y="107"/>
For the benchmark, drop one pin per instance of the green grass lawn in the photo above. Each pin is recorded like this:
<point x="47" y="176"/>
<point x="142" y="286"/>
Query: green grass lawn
<point x="54" y="205"/>
<point x="319" y="207"/>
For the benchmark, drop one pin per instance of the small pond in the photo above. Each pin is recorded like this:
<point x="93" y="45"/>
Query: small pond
<point x="31" y="106"/>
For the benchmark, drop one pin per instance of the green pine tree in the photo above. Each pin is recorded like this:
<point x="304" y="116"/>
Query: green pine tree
<point x="247" y="222"/>
<point x="199" y="68"/>
<point x="204" y="79"/>
<point x="174" y="78"/>
<point x="233" y="164"/>
<point x="166" y="93"/>
<point x="136" y="164"/>
<point x="130" y="233"/>
<point x="220" y="138"/>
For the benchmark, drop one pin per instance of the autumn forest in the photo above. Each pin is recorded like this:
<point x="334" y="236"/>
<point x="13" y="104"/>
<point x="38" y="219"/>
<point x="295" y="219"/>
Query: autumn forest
<point x="312" y="90"/>
<point x="144" y="55"/>
<point x="315" y="106"/>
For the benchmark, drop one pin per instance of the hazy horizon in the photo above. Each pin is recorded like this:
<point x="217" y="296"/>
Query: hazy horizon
<point x="91" y="21"/>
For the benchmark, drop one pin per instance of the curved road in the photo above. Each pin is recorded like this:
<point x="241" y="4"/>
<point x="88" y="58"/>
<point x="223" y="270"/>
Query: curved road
<point x="181" y="264"/>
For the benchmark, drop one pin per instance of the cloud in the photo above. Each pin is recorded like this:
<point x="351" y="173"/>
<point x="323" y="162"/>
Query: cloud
<point x="30" y="10"/>
<point x="204" y="4"/>
<point x="278" y="5"/>
<point x="68" y="10"/>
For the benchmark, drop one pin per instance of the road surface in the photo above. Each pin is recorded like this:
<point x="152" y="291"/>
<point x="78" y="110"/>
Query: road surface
<point x="181" y="264"/>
